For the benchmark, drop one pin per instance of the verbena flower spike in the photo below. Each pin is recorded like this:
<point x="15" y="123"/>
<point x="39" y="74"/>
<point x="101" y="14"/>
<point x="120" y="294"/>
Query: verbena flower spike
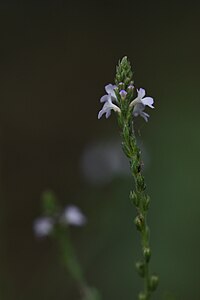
<point x="127" y="107"/>
<point x="55" y="223"/>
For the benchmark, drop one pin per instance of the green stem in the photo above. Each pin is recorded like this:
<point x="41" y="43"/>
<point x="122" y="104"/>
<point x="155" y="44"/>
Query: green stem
<point x="69" y="258"/>
<point x="124" y="81"/>
<point x="140" y="198"/>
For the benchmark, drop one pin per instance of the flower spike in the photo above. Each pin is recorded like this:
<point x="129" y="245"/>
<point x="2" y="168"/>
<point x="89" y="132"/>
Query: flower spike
<point x="121" y="99"/>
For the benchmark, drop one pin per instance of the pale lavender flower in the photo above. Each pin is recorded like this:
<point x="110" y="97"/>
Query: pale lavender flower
<point x="139" y="104"/>
<point x="43" y="226"/>
<point x="73" y="216"/>
<point x="108" y="102"/>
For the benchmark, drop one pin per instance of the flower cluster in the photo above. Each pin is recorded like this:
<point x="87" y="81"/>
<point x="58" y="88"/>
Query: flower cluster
<point x="72" y="215"/>
<point x="137" y="106"/>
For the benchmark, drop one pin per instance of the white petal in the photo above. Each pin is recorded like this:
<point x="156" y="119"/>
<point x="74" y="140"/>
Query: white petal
<point x="148" y="101"/>
<point x="104" y="98"/>
<point x="105" y="110"/>
<point x="116" y="108"/>
<point x="139" y="107"/>
<point x="108" y="113"/>
<point x="144" y="115"/>
<point x="136" y="114"/>
<point x="141" y="93"/>
<point x="110" y="88"/>
<point x="107" y="107"/>
<point x="109" y="101"/>
<point x="100" y="114"/>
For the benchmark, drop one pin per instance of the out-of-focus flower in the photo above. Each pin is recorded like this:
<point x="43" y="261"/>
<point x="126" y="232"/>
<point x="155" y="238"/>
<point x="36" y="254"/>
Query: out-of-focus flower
<point x="108" y="102"/>
<point x="72" y="215"/>
<point x="139" y="104"/>
<point x="43" y="226"/>
<point x="102" y="161"/>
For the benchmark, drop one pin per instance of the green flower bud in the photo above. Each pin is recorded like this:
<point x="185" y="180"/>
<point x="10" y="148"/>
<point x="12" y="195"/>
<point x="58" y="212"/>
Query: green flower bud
<point x="153" y="282"/>
<point x="121" y="86"/>
<point x="139" y="222"/>
<point x="147" y="254"/>
<point x="134" y="198"/>
<point x="142" y="296"/>
<point x="123" y="72"/>
<point x="140" y="268"/>
<point x="146" y="203"/>
<point x="140" y="182"/>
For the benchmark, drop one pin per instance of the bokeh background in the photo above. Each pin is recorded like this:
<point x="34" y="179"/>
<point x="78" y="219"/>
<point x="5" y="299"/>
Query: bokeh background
<point x="56" y="57"/>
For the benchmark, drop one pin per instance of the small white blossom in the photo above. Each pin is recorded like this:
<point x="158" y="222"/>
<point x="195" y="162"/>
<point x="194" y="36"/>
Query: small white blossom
<point x="73" y="216"/>
<point x="43" y="226"/>
<point x="139" y="104"/>
<point x="108" y="101"/>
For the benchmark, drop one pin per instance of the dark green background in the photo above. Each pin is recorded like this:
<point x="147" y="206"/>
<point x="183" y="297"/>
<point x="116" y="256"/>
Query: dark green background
<point x="56" y="57"/>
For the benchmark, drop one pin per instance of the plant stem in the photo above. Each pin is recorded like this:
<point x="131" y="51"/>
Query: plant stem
<point x="139" y="198"/>
<point x="73" y="266"/>
<point x="124" y="84"/>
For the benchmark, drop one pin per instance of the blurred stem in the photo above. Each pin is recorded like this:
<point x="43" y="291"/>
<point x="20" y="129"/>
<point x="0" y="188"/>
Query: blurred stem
<point x="73" y="266"/>
<point x="69" y="258"/>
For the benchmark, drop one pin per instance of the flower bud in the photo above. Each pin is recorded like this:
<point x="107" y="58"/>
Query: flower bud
<point x="121" y="85"/>
<point x="127" y="80"/>
<point x="153" y="282"/>
<point x="140" y="268"/>
<point x="140" y="182"/>
<point x="123" y="94"/>
<point x="134" y="198"/>
<point x="142" y="296"/>
<point x="147" y="254"/>
<point x="146" y="203"/>
<point x="139" y="222"/>
<point x="131" y="87"/>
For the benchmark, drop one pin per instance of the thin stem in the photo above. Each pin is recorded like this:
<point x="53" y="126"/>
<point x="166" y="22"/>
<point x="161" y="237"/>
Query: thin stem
<point x="73" y="266"/>
<point x="124" y="81"/>
<point x="140" y="198"/>
<point x="69" y="258"/>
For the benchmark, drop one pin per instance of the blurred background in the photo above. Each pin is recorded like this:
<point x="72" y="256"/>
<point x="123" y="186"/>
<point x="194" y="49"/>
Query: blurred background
<point x="56" y="58"/>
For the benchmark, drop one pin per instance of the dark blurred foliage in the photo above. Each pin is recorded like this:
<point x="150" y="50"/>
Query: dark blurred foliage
<point x="56" y="57"/>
